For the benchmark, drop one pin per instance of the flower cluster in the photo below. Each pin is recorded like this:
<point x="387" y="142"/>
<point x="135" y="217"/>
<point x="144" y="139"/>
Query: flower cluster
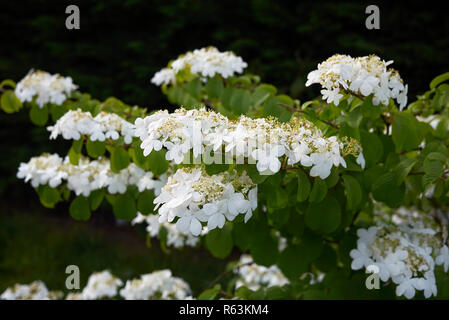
<point x="75" y="123"/>
<point x="262" y="141"/>
<point x="205" y="62"/>
<point x="174" y="237"/>
<point x="360" y="76"/>
<point x="101" y="285"/>
<point x="156" y="285"/>
<point x="405" y="249"/>
<point x="254" y="276"/>
<point x="47" y="88"/>
<point x="33" y="291"/>
<point x="87" y="176"/>
<point x="193" y="197"/>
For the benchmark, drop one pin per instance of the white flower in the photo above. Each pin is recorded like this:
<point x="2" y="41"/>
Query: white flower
<point x="100" y="285"/>
<point x="205" y="62"/>
<point x="265" y="142"/>
<point x="254" y="276"/>
<point x="361" y="160"/>
<point x="403" y="248"/>
<point x="443" y="258"/>
<point x="174" y="237"/>
<point x="46" y="88"/>
<point x="192" y="197"/>
<point x="87" y="176"/>
<point x="268" y="157"/>
<point x="34" y="291"/>
<point x="156" y="285"/>
<point x="360" y="76"/>
<point x="332" y="96"/>
<point x="361" y="257"/>
<point x="165" y="76"/>
<point x="75" y="123"/>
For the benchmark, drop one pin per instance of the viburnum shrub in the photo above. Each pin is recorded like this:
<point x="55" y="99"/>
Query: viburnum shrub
<point x="317" y="195"/>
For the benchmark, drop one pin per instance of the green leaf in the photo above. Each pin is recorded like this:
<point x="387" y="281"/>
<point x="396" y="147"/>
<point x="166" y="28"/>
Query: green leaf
<point x="433" y="169"/>
<point x="264" y="250"/>
<point x="214" y="87"/>
<point x="219" y="242"/>
<point x="353" y="191"/>
<point x="439" y="79"/>
<point x="327" y="261"/>
<point x="213" y="168"/>
<point x="386" y="190"/>
<point x="402" y="170"/>
<point x="158" y="164"/>
<point x="240" y="101"/>
<point x="38" y="116"/>
<point x="262" y="93"/>
<point x="324" y="216"/>
<point x="57" y="111"/>
<point x="49" y="196"/>
<point x="268" y="88"/>
<point x="291" y="262"/>
<point x="303" y="186"/>
<point x="74" y="156"/>
<point x="96" y="198"/>
<point x="194" y="88"/>
<point x="226" y="96"/>
<point x="8" y="83"/>
<point x="145" y="202"/>
<point x="125" y="207"/>
<point x="119" y="159"/>
<point x="405" y="133"/>
<point x="372" y="147"/>
<point x="95" y="149"/>
<point x="210" y="294"/>
<point x="9" y="102"/>
<point x="319" y="190"/>
<point x="77" y="145"/>
<point x="254" y="174"/>
<point x="80" y="209"/>
<point x="354" y="118"/>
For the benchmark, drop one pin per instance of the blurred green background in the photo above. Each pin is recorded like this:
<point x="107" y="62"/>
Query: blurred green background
<point x="120" y="45"/>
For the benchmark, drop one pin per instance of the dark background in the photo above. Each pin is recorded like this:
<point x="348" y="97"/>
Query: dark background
<point x="122" y="43"/>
